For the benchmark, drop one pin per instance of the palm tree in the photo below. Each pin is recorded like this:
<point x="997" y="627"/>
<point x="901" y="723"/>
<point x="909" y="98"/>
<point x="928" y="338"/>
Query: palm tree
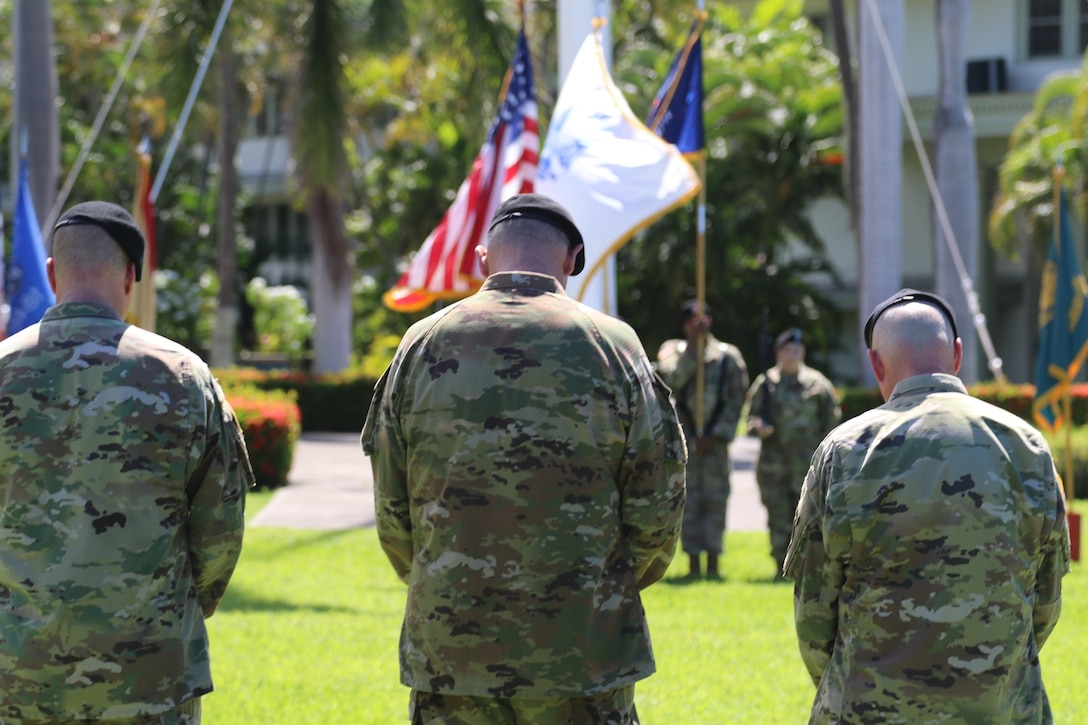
<point x="1053" y="133"/>
<point x="319" y="136"/>
<point x="195" y="28"/>
<point x="468" y="31"/>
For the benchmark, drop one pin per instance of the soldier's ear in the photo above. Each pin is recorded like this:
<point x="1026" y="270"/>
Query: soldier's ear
<point x="481" y="254"/>
<point x="957" y="355"/>
<point x="877" y="364"/>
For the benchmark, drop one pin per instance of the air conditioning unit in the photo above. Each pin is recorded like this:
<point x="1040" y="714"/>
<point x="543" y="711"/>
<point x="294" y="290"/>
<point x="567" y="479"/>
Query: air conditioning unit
<point x="986" y="75"/>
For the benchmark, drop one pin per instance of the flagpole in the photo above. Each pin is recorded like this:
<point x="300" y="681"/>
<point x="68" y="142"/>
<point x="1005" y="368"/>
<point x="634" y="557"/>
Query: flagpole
<point x="100" y="119"/>
<point x="1070" y="493"/>
<point x="700" y="286"/>
<point x="700" y="296"/>
<point x="1067" y="397"/>
<point x="198" y="80"/>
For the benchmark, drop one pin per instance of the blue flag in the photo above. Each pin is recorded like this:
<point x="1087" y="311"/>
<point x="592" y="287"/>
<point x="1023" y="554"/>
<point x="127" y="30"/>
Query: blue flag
<point x="1063" y="325"/>
<point x="28" y="284"/>
<point x="677" y="111"/>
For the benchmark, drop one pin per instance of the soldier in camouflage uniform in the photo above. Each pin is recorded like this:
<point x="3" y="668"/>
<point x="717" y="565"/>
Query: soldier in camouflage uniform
<point x="528" y="483"/>
<point x="791" y="407"/>
<point x="725" y="383"/>
<point x="124" y="475"/>
<point x="930" y="544"/>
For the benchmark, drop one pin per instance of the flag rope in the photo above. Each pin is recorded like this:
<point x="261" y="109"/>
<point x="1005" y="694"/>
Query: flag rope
<point x="198" y="80"/>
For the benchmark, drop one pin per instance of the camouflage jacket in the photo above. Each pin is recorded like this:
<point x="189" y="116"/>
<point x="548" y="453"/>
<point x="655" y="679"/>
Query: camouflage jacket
<point x="529" y="481"/>
<point x="803" y="409"/>
<point x="927" y="555"/>
<point x="725" y="382"/>
<point x="123" y="474"/>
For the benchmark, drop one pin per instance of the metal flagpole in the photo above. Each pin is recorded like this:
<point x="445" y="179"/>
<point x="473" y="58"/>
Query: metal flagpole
<point x="700" y="287"/>
<point x="168" y="157"/>
<point x="85" y="151"/>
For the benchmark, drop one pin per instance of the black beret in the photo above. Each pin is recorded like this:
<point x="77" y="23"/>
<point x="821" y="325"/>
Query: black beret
<point x="544" y="209"/>
<point x="691" y="309"/>
<point x="909" y="295"/>
<point x="117" y="222"/>
<point x="791" y="335"/>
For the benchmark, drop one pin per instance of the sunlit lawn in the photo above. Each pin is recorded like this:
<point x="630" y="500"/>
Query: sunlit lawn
<point x="308" y="634"/>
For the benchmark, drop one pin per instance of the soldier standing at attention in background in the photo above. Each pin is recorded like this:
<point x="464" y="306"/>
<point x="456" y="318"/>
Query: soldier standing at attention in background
<point x="791" y="407"/>
<point x="528" y="483"/>
<point x="930" y="543"/>
<point x="725" y="382"/>
<point x="123" y="473"/>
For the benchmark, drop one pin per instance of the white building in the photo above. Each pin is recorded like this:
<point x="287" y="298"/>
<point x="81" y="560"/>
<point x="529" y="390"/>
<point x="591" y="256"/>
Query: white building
<point x="1011" y="46"/>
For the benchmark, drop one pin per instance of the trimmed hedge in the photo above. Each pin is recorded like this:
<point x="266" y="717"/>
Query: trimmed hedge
<point x="1015" y="398"/>
<point x="335" y="403"/>
<point x="1076" y="454"/>
<point x="271" y="424"/>
<point x="339" y="404"/>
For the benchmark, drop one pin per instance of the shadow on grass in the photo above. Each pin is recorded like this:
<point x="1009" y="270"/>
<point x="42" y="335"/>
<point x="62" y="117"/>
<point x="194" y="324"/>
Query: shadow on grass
<point x="291" y="541"/>
<point x="687" y="580"/>
<point x="238" y="600"/>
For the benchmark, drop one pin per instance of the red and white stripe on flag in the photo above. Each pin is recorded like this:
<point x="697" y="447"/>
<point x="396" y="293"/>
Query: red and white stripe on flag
<point x="446" y="267"/>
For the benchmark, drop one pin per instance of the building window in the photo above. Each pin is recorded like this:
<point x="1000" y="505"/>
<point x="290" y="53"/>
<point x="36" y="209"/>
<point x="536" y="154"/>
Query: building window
<point x="1056" y="28"/>
<point x="282" y="246"/>
<point x="1082" y="25"/>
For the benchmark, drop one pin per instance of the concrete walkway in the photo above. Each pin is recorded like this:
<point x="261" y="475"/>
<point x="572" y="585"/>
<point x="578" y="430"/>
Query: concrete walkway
<point x="330" y="487"/>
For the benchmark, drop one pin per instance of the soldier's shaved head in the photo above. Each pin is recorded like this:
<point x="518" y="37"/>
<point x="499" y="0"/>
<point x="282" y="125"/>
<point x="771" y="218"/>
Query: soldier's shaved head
<point x="88" y="265"/>
<point x="914" y="338"/>
<point x="528" y="246"/>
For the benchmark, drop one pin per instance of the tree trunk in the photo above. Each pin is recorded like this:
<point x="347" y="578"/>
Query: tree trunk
<point x="34" y="105"/>
<point x="880" y="173"/>
<point x="332" y="273"/>
<point x="850" y="102"/>
<point x="955" y="167"/>
<point x="223" y="336"/>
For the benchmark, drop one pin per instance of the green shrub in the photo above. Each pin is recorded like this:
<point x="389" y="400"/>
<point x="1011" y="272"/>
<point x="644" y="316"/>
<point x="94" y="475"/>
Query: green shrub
<point x="185" y="308"/>
<point x="1015" y="398"/>
<point x="855" y="401"/>
<point x="281" y="319"/>
<point x="1074" y="454"/>
<point x="271" y="424"/>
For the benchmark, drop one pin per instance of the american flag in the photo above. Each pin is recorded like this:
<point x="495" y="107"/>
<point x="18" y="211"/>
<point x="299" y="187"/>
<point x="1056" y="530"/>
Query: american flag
<point x="446" y="267"/>
<point x="141" y="310"/>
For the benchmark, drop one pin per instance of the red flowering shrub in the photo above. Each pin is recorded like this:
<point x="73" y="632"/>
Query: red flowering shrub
<point x="271" y="423"/>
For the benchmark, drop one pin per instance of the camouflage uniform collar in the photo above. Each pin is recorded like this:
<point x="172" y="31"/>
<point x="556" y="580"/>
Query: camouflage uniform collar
<point x="776" y="375"/>
<point x="66" y="310"/>
<point x="523" y="280"/>
<point x="934" y="383"/>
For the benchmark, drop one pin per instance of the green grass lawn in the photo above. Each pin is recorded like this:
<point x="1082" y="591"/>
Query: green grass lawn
<point x="308" y="634"/>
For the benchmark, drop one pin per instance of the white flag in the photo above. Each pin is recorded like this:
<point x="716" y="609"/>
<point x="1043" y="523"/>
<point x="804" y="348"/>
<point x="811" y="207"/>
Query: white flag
<point x="613" y="174"/>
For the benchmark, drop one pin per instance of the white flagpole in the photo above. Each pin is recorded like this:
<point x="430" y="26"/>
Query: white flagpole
<point x="168" y="157"/>
<point x="96" y="128"/>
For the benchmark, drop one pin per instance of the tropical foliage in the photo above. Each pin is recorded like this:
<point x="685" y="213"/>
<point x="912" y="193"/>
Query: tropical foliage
<point x="387" y="103"/>
<point x="1053" y="134"/>
<point x="774" y="125"/>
